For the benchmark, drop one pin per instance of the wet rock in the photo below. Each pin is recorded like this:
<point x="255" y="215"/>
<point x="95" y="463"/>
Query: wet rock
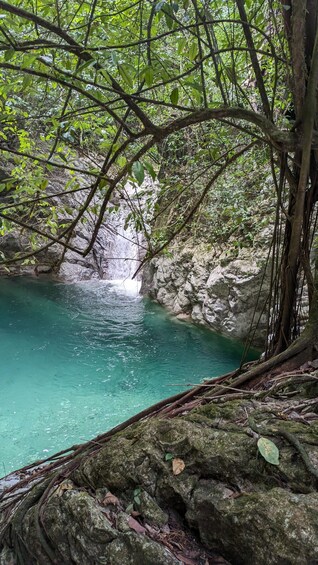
<point x="238" y="504"/>
<point x="269" y="528"/>
<point x="133" y="549"/>
<point x="151" y="511"/>
<point x="220" y="293"/>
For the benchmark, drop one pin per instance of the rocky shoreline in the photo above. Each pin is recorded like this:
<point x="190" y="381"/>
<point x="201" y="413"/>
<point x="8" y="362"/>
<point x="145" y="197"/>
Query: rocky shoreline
<point x="226" y="293"/>
<point x="198" y="474"/>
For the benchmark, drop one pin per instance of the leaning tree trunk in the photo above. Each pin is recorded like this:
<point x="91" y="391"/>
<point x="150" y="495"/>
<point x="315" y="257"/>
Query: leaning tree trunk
<point x="303" y="38"/>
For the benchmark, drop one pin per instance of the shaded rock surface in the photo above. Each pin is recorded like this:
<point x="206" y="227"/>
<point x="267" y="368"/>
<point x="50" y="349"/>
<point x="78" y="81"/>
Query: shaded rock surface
<point x="221" y="291"/>
<point x="114" y="240"/>
<point x="126" y="504"/>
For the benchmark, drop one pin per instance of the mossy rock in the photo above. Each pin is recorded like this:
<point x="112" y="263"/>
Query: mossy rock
<point x="241" y="506"/>
<point x="269" y="528"/>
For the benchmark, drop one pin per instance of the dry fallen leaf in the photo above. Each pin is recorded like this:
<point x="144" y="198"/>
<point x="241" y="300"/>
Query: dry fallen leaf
<point x="110" y="499"/>
<point x="134" y="525"/>
<point x="178" y="465"/>
<point x="65" y="485"/>
<point x="185" y="560"/>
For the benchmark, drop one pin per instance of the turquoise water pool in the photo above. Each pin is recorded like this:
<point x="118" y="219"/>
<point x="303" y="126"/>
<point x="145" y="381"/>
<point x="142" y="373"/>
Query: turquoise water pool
<point x="77" y="359"/>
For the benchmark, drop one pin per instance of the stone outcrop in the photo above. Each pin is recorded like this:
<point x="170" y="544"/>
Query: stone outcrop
<point x="121" y="504"/>
<point x="113" y="240"/>
<point x="222" y="291"/>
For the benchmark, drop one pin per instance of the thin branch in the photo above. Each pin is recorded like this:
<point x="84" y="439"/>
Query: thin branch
<point x="38" y="231"/>
<point x="254" y="60"/>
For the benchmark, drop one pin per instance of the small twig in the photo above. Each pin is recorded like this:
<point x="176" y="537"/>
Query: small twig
<point x="305" y="404"/>
<point x="209" y="385"/>
<point x="301" y="450"/>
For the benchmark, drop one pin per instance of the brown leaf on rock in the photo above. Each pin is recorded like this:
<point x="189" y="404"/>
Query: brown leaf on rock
<point x="185" y="560"/>
<point x="65" y="485"/>
<point x="178" y="465"/>
<point x="110" y="499"/>
<point x="134" y="525"/>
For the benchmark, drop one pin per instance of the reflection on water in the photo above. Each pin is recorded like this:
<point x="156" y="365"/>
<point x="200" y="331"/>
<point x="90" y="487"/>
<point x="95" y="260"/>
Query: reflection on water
<point x="78" y="359"/>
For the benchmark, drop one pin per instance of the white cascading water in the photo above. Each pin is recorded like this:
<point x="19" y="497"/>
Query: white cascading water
<point x="125" y="250"/>
<point x="124" y="255"/>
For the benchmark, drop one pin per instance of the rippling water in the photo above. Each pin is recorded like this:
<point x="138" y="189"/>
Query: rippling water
<point x="78" y="359"/>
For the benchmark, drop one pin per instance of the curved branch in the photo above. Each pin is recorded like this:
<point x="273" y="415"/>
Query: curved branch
<point x="282" y="140"/>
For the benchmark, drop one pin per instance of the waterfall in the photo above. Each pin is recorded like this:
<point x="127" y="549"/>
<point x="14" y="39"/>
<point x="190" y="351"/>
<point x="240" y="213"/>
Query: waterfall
<point x="125" y="248"/>
<point x="124" y="252"/>
<point x="118" y="249"/>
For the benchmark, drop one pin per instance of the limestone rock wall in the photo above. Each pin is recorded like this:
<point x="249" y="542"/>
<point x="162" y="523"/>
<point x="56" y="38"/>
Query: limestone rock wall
<point x="221" y="292"/>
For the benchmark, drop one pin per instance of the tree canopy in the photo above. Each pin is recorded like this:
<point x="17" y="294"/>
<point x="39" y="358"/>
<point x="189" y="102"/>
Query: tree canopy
<point x="127" y="77"/>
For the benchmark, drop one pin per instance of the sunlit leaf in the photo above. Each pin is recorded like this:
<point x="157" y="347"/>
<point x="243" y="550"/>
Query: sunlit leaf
<point x="178" y="465"/>
<point x="138" y="172"/>
<point x="268" y="450"/>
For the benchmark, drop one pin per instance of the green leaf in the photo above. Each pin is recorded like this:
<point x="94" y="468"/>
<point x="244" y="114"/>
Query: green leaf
<point x="196" y="85"/>
<point x="26" y="82"/>
<point x="121" y="160"/>
<point x="138" y="172"/>
<point x="168" y="456"/>
<point x="9" y="54"/>
<point x="181" y="45"/>
<point x="106" y="76"/>
<point x="44" y="184"/>
<point x="174" y="96"/>
<point x="268" y="450"/>
<point x="63" y="157"/>
<point x="150" y="170"/>
<point x="231" y="73"/>
<point x="103" y="182"/>
<point x="168" y="11"/>
<point x="148" y="74"/>
<point x="192" y="53"/>
<point x="124" y="71"/>
<point x="85" y="65"/>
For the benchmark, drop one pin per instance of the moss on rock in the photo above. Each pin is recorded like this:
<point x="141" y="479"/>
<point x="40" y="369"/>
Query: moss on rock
<point x="240" y="505"/>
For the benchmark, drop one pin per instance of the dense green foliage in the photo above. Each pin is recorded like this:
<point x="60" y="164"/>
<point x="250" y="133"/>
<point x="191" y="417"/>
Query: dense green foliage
<point x="68" y="80"/>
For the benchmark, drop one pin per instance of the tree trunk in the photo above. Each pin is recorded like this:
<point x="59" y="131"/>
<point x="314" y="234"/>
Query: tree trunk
<point x="298" y="234"/>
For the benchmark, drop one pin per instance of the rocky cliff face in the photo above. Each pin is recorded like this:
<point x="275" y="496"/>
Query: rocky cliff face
<point x="115" y="251"/>
<point x="222" y="292"/>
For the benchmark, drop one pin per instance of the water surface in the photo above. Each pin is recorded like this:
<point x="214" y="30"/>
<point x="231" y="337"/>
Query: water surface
<point x="77" y="359"/>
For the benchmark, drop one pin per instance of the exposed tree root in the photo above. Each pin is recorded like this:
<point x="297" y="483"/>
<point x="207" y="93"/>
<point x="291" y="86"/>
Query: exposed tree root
<point x="63" y="463"/>
<point x="301" y="450"/>
<point x="253" y="413"/>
